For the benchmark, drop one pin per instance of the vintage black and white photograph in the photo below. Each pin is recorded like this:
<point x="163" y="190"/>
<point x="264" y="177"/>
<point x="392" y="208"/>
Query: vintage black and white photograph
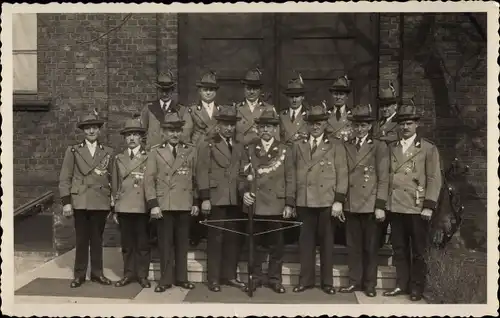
<point x="250" y="157"/>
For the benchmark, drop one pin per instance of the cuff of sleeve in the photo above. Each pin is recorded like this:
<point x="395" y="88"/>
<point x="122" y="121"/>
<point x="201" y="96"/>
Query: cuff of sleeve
<point x="339" y="197"/>
<point x="153" y="203"/>
<point x="204" y="194"/>
<point x="290" y="201"/>
<point x="66" y="200"/>
<point x="429" y="204"/>
<point x="380" y="204"/>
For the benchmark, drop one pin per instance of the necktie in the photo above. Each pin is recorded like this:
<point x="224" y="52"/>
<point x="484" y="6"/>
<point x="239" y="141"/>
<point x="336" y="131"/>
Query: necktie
<point x="337" y="113"/>
<point x="314" y="146"/>
<point x="174" y="151"/>
<point x="131" y="155"/>
<point x="228" y="141"/>
<point x="293" y="116"/>
<point x="358" y="144"/>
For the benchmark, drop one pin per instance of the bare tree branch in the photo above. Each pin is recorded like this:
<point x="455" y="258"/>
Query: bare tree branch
<point x="127" y="17"/>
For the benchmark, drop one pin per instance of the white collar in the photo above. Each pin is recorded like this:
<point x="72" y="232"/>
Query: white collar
<point x="91" y="144"/>
<point x="252" y="104"/>
<point x="362" y="139"/>
<point x="342" y="108"/>
<point x="225" y="139"/>
<point x="134" y="150"/>
<point x="166" y="104"/>
<point x="267" y="144"/>
<point x="295" y="111"/>
<point x="208" y="105"/>
<point x="318" y="139"/>
<point x="408" y="141"/>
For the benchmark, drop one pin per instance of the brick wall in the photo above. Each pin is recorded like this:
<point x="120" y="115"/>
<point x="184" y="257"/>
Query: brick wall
<point x="80" y="70"/>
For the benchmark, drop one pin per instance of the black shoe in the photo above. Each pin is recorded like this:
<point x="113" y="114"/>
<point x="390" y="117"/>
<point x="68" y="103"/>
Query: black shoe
<point x="162" y="288"/>
<point x="103" y="280"/>
<point x="395" y="292"/>
<point x="256" y="284"/>
<point x="144" y="282"/>
<point x="349" y="289"/>
<point x="328" y="289"/>
<point x="185" y="285"/>
<point x="415" y="296"/>
<point x="370" y="292"/>
<point x="235" y="283"/>
<point x="301" y="288"/>
<point x="214" y="287"/>
<point x="277" y="288"/>
<point x="77" y="282"/>
<point x="124" y="281"/>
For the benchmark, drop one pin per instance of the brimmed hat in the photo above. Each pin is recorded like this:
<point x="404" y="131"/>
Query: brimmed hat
<point x="316" y="113"/>
<point x="269" y="116"/>
<point x="172" y="120"/>
<point x="227" y="113"/>
<point x="253" y="78"/>
<point x="387" y="96"/>
<point x="133" y="125"/>
<point x="90" y="119"/>
<point x="362" y="113"/>
<point x="165" y="80"/>
<point x="295" y="86"/>
<point x="407" y="112"/>
<point x="341" y="84"/>
<point x="208" y="79"/>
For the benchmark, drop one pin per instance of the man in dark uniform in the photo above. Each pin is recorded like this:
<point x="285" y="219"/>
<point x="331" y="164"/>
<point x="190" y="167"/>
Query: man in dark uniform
<point x="84" y="187"/>
<point x="368" y="162"/>
<point x="321" y="180"/>
<point x="339" y="126"/>
<point x="127" y="186"/>
<point x="293" y="127"/>
<point x="268" y="165"/>
<point x="415" y="183"/>
<point x="218" y="176"/>
<point x="172" y="197"/>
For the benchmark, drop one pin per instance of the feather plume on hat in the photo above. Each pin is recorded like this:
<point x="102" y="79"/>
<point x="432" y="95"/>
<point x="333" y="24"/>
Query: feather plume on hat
<point x="96" y="113"/>
<point x="323" y="103"/>
<point x="392" y="88"/>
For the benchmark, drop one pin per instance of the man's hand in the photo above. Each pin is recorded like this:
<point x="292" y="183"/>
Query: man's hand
<point x="380" y="215"/>
<point x="337" y="211"/>
<point x="248" y="198"/>
<point x="156" y="213"/>
<point x="206" y="207"/>
<point x="67" y="210"/>
<point x="114" y="217"/>
<point x="194" y="210"/>
<point x="426" y="214"/>
<point x="287" y="212"/>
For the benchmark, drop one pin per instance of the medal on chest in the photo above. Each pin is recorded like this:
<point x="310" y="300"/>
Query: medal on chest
<point x="101" y="168"/>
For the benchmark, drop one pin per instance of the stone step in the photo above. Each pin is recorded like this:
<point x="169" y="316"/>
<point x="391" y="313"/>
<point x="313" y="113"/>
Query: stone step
<point x="197" y="272"/>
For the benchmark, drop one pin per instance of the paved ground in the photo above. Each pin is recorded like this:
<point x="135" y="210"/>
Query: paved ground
<point x="30" y="267"/>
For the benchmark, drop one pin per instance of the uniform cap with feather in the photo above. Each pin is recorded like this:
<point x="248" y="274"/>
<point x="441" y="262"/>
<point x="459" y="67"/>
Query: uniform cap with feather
<point x="208" y="80"/>
<point x="408" y="112"/>
<point x="90" y="119"/>
<point x="228" y="113"/>
<point x="133" y="125"/>
<point x="387" y="96"/>
<point x="341" y="84"/>
<point x="269" y="116"/>
<point x="362" y="113"/>
<point x="295" y="85"/>
<point x="165" y="80"/>
<point x="317" y="113"/>
<point x="253" y="77"/>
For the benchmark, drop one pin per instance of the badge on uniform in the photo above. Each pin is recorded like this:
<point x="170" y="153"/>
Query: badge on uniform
<point x="138" y="177"/>
<point x="102" y="166"/>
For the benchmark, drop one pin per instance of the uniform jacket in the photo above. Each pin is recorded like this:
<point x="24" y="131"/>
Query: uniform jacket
<point x="152" y="116"/>
<point x="415" y="177"/>
<point x="272" y="170"/>
<point x="290" y="131"/>
<point x="387" y="132"/>
<point x="339" y="129"/>
<point x="218" y="171"/>
<point x="246" y="130"/>
<point x="321" y="179"/>
<point x="85" y="180"/>
<point x="368" y="176"/>
<point x="203" y="125"/>
<point x="169" y="181"/>
<point x="127" y="182"/>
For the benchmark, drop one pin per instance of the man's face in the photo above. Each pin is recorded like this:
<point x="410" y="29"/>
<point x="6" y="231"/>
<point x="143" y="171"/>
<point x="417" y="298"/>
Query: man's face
<point x="165" y="94"/>
<point x="207" y="94"/>
<point x="339" y="98"/>
<point x="92" y="132"/>
<point x="226" y="129"/>
<point x="361" y="128"/>
<point x="133" y="139"/>
<point x="408" y="128"/>
<point x="295" y="101"/>
<point x="252" y="93"/>
<point x="266" y="131"/>
<point x="172" y="135"/>
<point x="316" y="128"/>
<point x="387" y="110"/>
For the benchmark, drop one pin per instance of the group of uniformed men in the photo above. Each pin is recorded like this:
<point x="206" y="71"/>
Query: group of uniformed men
<point x="321" y="164"/>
